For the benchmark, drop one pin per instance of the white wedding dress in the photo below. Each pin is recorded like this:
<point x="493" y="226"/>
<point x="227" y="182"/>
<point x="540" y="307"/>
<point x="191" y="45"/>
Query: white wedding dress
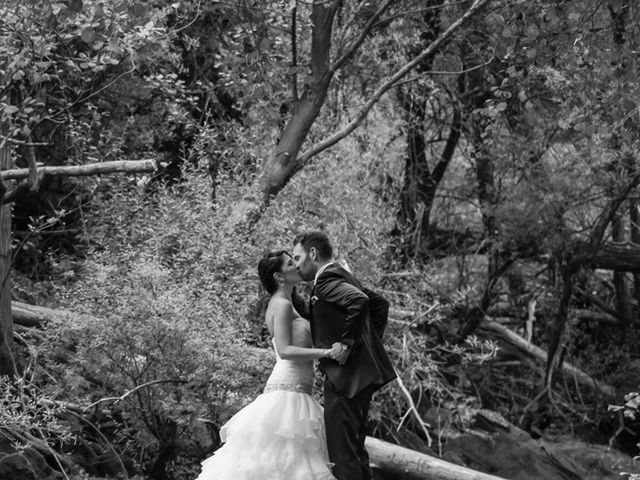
<point x="280" y="435"/>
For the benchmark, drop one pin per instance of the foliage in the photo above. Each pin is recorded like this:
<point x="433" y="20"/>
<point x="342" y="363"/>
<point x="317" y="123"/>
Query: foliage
<point x="159" y="312"/>
<point x="170" y="327"/>
<point x="25" y="415"/>
<point x="57" y="49"/>
<point x="631" y="415"/>
<point x="168" y="297"/>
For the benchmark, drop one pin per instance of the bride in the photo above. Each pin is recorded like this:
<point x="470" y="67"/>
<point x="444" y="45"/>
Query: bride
<point x="280" y="435"/>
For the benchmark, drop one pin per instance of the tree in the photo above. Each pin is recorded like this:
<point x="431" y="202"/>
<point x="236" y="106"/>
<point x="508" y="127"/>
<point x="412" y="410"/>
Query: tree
<point x="432" y="119"/>
<point x="7" y="362"/>
<point x="285" y="159"/>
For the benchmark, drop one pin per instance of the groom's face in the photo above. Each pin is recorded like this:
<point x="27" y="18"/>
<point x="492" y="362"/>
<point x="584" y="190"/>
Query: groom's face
<point x="305" y="262"/>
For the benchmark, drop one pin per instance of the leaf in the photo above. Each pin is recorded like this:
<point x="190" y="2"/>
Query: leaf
<point x="98" y="12"/>
<point x="532" y="31"/>
<point x="75" y="5"/>
<point x="628" y="105"/>
<point x="501" y="107"/>
<point x="121" y="7"/>
<point x="265" y="44"/>
<point x="574" y="17"/>
<point x="87" y="35"/>
<point x="633" y="403"/>
<point x="10" y="109"/>
<point x="138" y="10"/>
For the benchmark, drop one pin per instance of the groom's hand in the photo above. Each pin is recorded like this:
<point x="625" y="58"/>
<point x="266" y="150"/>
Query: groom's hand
<point x="343" y="352"/>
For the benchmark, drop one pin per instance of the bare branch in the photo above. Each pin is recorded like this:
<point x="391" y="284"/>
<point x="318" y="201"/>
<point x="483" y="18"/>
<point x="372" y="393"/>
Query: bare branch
<point x="363" y="35"/>
<point x="15" y="141"/>
<point x="409" y="13"/>
<point x="129" y="392"/>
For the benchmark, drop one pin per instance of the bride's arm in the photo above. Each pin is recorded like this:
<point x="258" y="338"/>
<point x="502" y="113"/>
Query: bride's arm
<point x="282" y="319"/>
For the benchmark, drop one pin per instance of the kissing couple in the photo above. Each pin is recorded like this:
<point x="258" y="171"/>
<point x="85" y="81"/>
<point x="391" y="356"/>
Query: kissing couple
<point x="285" y="434"/>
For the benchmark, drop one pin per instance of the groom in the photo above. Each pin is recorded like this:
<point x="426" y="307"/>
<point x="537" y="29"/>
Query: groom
<point x="341" y="312"/>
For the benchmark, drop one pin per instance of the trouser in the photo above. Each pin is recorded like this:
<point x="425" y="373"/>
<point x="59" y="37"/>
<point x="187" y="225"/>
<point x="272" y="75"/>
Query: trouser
<point x="345" y="422"/>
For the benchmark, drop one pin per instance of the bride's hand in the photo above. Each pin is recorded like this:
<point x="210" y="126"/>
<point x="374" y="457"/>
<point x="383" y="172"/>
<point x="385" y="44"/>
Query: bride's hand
<point x="338" y="352"/>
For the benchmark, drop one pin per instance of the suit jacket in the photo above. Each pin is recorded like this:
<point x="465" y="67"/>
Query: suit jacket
<point x="340" y="313"/>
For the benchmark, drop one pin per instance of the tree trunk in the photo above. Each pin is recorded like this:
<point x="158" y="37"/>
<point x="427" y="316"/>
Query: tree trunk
<point x="623" y="299"/>
<point x="282" y="164"/>
<point x="487" y="198"/>
<point x="634" y="227"/>
<point x="571" y="262"/>
<point x="416" y="168"/>
<point x="285" y="162"/>
<point x="7" y="362"/>
<point x="419" y="186"/>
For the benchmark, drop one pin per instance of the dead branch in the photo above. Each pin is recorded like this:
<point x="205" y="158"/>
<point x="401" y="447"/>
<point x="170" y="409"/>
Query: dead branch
<point x="494" y="328"/>
<point x="124" y="166"/>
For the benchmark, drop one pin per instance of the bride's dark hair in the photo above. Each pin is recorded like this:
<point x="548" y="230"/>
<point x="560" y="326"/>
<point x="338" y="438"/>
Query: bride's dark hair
<point x="269" y="264"/>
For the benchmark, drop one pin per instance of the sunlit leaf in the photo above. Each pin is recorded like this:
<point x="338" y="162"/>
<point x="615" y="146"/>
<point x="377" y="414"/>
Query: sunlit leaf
<point x="87" y="35"/>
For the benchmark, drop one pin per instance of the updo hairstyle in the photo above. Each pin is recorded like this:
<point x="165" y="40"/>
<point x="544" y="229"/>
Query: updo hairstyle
<point x="269" y="264"/>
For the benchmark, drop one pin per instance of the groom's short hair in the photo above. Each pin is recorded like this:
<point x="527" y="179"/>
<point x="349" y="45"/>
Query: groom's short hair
<point x="316" y="239"/>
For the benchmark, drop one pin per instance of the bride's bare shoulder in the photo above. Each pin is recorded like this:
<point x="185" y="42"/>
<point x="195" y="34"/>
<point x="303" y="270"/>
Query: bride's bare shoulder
<point x="279" y="307"/>
<point x="279" y="303"/>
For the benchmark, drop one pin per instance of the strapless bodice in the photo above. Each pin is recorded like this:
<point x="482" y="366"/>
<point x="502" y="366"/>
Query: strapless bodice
<point x="300" y="335"/>
<point x="296" y="375"/>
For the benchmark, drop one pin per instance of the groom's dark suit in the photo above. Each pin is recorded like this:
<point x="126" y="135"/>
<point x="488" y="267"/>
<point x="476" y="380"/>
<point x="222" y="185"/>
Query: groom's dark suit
<point x="341" y="311"/>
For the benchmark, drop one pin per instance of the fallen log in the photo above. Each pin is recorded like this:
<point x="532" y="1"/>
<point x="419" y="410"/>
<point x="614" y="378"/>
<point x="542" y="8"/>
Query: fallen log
<point x="124" y="166"/>
<point x="34" y="316"/>
<point x="411" y="465"/>
<point x="600" y="317"/>
<point x="621" y="257"/>
<point x="494" y="328"/>
<point x="522" y="344"/>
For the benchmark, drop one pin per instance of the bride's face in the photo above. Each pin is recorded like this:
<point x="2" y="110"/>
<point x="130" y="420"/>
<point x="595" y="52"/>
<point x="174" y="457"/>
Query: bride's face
<point x="289" y="272"/>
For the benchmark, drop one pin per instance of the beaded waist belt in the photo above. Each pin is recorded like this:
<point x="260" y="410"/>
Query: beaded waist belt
<point x="298" y="387"/>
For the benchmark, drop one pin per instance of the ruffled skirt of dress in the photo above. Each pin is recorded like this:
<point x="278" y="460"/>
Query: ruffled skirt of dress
<point x="279" y="436"/>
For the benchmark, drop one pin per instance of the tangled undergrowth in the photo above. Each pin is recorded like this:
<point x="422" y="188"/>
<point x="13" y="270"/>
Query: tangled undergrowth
<point x="166" y="339"/>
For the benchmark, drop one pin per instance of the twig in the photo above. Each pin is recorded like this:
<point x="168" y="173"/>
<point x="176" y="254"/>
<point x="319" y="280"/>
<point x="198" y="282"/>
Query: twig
<point x="412" y="408"/>
<point x="129" y="392"/>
